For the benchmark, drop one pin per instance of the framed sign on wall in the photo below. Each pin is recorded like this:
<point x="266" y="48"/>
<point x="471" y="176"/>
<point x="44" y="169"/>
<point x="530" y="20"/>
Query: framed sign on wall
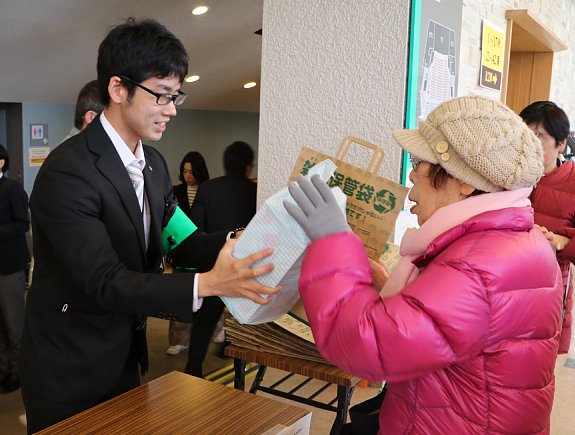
<point x="434" y="41"/>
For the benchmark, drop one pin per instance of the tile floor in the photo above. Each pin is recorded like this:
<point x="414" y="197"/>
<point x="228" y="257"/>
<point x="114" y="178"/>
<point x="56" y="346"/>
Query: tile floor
<point x="562" y="417"/>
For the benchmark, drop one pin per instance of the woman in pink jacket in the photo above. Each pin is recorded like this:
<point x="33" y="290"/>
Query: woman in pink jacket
<point x="554" y="197"/>
<point x="465" y="330"/>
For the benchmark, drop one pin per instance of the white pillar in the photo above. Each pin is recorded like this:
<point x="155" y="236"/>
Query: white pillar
<point x="330" y="68"/>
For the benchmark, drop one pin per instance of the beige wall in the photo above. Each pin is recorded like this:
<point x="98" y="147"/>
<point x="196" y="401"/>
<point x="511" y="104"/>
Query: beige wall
<point x="556" y="15"/>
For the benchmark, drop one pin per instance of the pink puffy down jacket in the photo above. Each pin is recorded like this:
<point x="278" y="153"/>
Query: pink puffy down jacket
<point x="554" y="202"/>
<point x="468" y="347"/>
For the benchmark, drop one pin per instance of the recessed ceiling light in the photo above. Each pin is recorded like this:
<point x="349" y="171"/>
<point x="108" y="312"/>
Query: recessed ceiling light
<point x="191" y="79"/>
<point x="200" y="10"/>
<point x="249" y="85"/>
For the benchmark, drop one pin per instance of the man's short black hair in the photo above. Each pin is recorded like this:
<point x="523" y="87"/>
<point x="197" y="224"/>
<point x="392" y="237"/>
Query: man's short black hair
<point x="237" y="157"/>
<point x="4" y="156"/>
<point x="89" y="98"/>
<point x="199" y="167"/>
<point x="138" y="51"/>
<point x="553" y="118"/>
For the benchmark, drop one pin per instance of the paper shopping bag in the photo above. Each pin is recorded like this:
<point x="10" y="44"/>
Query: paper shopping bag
<point x="273" y="227"/>
<point x="373" y="202"/>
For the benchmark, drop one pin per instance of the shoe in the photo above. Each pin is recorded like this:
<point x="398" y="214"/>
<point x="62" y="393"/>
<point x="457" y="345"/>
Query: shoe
<point x="22" y="419"/>
<point x="11" y="383"/>
<point x="175" y="349"/>
<point x="219" y="337"/>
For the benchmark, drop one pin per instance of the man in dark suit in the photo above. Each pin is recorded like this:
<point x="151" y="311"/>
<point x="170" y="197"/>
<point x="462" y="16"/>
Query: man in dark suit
<point x="221" y="203"/>
<point x="228" y="202"/>
<point x="98" y="208"/>
<point x="14" y="257"/>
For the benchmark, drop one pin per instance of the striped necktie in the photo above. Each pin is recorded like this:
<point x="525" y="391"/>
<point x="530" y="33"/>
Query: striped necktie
<point x="137" y="177"/>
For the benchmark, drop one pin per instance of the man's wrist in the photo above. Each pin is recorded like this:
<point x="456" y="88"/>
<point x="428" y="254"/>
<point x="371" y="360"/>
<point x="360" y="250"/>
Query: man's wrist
<point x="234" y="234"/>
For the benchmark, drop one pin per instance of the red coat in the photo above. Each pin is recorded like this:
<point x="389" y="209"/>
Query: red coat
<point x="554" y="202"/>
<point x="468" y="347"/>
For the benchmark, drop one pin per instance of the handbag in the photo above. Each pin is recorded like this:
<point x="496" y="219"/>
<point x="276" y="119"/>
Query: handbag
<point x="373" y="202"/>
<point x="365" y="416"/>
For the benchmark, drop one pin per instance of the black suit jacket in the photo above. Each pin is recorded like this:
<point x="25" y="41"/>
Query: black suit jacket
<point x="93" y="277"/>
<point x="181" y="194"/>
<point x="14" y="223"/>
<point x="224" y="203"/>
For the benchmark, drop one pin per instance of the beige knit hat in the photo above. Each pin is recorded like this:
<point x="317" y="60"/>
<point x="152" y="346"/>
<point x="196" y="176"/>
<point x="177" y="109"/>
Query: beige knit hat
<point x="479" y="141"/>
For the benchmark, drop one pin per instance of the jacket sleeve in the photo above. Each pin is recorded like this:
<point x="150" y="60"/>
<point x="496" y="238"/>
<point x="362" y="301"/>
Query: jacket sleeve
<point x="198" y="211"/>
<point x="440" y="318"/>
<point x="199" y="251"/>
<point x="569" y="251"/>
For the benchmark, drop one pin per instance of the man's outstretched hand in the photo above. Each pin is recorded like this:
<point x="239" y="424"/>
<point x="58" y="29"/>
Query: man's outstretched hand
<point x="234" y="278"/>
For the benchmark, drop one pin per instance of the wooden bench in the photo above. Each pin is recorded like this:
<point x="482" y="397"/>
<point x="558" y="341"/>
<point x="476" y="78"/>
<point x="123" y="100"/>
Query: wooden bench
<point x="310" y="369"/>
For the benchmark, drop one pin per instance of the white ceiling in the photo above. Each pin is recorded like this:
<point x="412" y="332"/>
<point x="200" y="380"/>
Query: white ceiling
<point x="48" y="48"/>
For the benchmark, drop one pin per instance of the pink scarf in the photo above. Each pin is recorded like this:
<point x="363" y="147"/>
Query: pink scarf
<point x="416" y="240"/>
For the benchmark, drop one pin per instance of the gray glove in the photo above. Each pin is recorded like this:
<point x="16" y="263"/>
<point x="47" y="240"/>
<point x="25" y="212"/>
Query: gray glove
<point x="318" y="213"/>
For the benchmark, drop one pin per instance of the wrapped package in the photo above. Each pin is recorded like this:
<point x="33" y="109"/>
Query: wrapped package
<point x="273" y="227"/>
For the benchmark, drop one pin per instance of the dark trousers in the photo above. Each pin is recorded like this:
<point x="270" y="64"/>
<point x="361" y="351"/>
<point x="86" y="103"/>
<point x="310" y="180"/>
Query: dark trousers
<point x="12" y="313"/>
<point x="204" y="324"/>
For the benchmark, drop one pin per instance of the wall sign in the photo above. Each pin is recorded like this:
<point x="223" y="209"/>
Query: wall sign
<point x="492" y="53"/>
<point x="37" y="155"/>
<point x="38" y="134"/>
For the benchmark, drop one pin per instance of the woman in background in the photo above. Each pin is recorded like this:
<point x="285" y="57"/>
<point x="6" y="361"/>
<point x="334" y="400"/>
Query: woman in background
<point x="466" y="329"/>
<point x="553" y="198"/>
<point x="193" y="171"/>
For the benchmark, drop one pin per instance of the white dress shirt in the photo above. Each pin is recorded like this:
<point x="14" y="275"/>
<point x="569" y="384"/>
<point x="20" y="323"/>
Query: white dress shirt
<point x="128" y="157"/>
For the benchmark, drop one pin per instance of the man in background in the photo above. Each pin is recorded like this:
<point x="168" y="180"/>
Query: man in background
<point x="14" y="257"/>
<point x="88" y="106"/>
<point x="221" y="204"/>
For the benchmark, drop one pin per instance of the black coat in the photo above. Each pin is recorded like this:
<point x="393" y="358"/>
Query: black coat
<point x="93" y="277"/>
<point x="14" y="224"/>
<point x="181" y="194"/>
<point x="224" y="203"/>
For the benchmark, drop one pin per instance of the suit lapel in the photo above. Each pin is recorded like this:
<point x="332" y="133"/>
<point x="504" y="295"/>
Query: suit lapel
<point x="110" y="165"/>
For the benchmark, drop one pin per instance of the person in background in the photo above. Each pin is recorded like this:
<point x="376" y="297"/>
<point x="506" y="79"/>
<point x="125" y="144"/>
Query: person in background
<point x="466" y="328"/>
<point x="88" y="106"/>
<point x="553" y="198"/>
<point x="193" y="172"/>
<point x="99" y="205"/>
<point x="222" y="203"/>
<point x="14" y="257"/>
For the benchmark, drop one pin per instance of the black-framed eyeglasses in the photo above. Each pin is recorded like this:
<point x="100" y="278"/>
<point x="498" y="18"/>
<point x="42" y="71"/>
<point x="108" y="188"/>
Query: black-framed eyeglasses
<point x="161" y="99"/>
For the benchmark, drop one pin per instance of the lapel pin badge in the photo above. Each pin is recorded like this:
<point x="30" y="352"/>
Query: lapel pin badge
<point x="150" y="168"/>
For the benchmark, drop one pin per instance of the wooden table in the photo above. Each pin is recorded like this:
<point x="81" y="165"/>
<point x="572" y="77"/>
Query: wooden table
<point x="310" y="369"/>
<point x="180" y="403"/>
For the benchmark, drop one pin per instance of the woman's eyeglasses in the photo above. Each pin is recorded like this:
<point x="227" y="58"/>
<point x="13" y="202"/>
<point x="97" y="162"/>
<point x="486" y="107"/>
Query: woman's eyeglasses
<point x="415" y="162"/>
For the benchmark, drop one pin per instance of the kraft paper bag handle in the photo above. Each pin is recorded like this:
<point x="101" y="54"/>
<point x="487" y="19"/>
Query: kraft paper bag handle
<point x="376" y="158"/>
